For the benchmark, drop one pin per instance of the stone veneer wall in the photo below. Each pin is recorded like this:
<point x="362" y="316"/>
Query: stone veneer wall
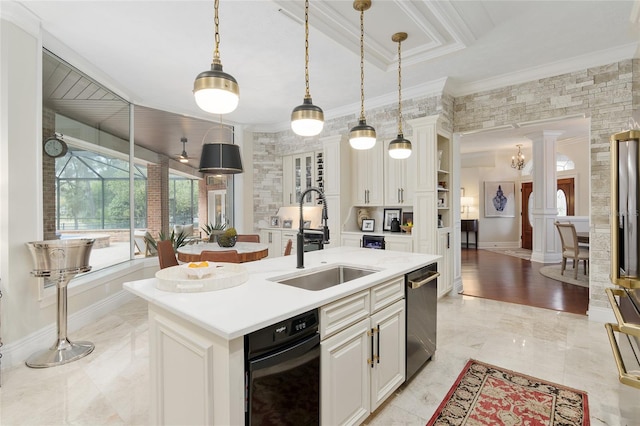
<point x="270" y="147"/>
<point x="608" y="95"/>
<point x="602" y="93"/>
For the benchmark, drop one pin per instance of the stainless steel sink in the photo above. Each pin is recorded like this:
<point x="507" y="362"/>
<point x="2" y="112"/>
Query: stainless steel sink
<point x="324" y="278"/>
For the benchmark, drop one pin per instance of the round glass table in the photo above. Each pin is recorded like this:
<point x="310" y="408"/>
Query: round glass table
<point x="248" y="252"/>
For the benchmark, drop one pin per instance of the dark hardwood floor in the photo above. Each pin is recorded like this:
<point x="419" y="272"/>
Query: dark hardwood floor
<point x="509" y="279"/>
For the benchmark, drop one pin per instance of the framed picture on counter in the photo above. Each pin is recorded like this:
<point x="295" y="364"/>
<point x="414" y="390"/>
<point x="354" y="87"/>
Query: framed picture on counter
<point x="389" y="215"/>
<point x="275" y="222"/>
<point x="368" y="225"/>
<point x="287" y="223"/>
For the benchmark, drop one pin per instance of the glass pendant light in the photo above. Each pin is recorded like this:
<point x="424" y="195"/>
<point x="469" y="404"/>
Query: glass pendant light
<point x="399" y="148"/>
<point x="307" y="119"/>
<point x="362" y="136"/>
<point x="216" y="91"/>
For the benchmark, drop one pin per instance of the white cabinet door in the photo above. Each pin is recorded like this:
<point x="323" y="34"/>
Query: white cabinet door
<point x="399" y="176"/>
<point x="398" y="243"/>
<point x="351" y="240"/>
<point x="445" y="282"/>
<point x="389" y="368"/>
<point x="367" y="175"/>
<point x="298" y="174"/>
<point x="273" y="238"/>
<point x="345" y="376"/>
<point x="288" y="194"/>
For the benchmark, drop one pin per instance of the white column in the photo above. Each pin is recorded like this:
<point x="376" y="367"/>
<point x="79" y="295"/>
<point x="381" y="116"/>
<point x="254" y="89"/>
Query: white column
<point x="545" y="208"/>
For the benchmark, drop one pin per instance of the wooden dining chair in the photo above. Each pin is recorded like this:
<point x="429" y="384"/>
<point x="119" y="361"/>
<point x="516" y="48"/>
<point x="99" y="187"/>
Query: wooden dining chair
<point x="571" y="249"/>
<point x="248" y="238"/>
<point x="230" y="256"/>
<point x="166" y="255"/>
<point x="287" y="248"/>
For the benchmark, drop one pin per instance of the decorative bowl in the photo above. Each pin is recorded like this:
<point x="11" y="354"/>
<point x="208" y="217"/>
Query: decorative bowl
<point x="224" y="241"/>
<point x="406" y="228"/>
<point x="198" y="270"/>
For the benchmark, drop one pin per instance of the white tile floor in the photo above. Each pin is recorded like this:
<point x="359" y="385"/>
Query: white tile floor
<point x="110" y="386"/>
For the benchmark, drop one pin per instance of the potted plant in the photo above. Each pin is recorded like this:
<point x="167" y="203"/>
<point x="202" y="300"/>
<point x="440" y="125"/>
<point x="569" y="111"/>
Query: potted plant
<point x="177" y="240"/>
<point x="213" y="231"/>
<point x="228" y="239"/>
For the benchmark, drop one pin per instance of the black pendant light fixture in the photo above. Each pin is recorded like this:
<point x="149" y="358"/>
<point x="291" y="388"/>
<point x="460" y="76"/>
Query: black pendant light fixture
<point x="307" y="119"/>
<point x="216" y="91"/>
<point x="399" y="148"/>
<point x="362" y="136"/>
<point x="220" y="158"/>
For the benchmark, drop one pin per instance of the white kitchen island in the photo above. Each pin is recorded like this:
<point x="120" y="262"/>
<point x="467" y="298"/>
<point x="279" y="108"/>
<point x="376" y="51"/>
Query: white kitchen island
<point x="197" y="339"/>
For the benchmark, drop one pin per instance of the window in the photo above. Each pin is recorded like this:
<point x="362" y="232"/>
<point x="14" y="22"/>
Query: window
<point x="183" y="201"/>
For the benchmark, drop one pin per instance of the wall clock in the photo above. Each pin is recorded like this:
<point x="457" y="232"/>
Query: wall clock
<point x="55" y="147"/>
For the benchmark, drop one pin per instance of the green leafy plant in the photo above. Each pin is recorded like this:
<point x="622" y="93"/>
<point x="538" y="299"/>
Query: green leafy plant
<point x="212" y="230"/>
<point x="177" y="240"/>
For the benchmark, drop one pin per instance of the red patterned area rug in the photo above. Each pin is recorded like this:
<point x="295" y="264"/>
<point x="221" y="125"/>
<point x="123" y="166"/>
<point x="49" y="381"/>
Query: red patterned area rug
<point x="485" y="394"/>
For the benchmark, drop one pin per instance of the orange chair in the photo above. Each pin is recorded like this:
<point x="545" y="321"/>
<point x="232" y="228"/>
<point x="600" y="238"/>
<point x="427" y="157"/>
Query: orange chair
<point x="248" y="238"/>
<point x="288" y="247"/>
<point x="166" y="255"/>
<point x="230" y="256"/>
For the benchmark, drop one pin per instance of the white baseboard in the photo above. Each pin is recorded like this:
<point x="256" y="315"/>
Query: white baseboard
<point x="499" y="244"/>
<point x="17" y="352"/>
<point x="601" y="315"/>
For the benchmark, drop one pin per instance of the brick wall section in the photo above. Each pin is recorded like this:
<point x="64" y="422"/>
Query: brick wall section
<point x="158" y="198"/>
<point x="48" y="178"/>
<point x="604" y="94"/>
<point x="270" y="147"/>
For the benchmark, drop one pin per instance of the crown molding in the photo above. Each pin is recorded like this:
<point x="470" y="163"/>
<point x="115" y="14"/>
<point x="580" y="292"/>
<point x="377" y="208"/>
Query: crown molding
<point x="431" y="88"/>
<point x="593" y="59"/>
<point x="21" y="16"/>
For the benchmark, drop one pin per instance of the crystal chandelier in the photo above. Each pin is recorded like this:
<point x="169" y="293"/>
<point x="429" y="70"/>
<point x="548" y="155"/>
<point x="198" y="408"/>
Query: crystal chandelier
<point x="517" y="161"/>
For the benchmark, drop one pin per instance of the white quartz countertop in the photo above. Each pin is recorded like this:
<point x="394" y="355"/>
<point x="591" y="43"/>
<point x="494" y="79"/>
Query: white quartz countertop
<point x="259" y="302"/>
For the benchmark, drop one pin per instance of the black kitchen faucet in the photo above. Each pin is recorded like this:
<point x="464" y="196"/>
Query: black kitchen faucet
<point x="325" y="228"/>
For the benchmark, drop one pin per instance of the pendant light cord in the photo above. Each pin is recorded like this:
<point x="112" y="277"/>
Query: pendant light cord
<point x="306" y="49"/>
<point x="399" y="88"/>
<point x="216" y="23"/>
<point x="362" y="65"/>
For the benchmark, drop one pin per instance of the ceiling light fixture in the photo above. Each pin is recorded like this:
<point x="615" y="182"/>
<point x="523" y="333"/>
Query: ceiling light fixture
<point x="216" y="91"/>
<point x="183" y="157"/>
<point x="517" y="161"/>
<point x="362" y="136"/>
<point x="307" y="119"/>
<point x="399" y="148"/>
<point x="220" y="158"/>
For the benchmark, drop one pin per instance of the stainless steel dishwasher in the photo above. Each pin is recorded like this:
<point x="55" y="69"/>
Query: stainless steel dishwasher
<point x="422" y="303"/>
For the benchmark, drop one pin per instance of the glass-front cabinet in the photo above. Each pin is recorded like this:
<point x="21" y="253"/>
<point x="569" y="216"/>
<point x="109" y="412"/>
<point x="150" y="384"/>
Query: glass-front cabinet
<point x="299" y="174"/>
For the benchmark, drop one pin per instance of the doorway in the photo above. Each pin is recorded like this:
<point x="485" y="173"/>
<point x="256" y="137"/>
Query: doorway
<point x="217" y="207"/>
<point x="566" y="206"/>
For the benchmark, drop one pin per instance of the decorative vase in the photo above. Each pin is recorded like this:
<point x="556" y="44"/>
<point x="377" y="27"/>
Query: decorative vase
<point x="224" y="241"/>
<point x="213" y="237"/>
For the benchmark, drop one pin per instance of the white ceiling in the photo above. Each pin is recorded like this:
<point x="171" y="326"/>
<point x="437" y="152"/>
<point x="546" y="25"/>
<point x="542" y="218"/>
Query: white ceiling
<point x="150" y="52"/>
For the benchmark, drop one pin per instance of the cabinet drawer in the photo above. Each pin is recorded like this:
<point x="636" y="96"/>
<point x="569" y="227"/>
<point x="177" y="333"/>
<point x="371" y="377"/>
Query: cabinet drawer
<point x="386" y="293"/>
<point x="342" y="313"/>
